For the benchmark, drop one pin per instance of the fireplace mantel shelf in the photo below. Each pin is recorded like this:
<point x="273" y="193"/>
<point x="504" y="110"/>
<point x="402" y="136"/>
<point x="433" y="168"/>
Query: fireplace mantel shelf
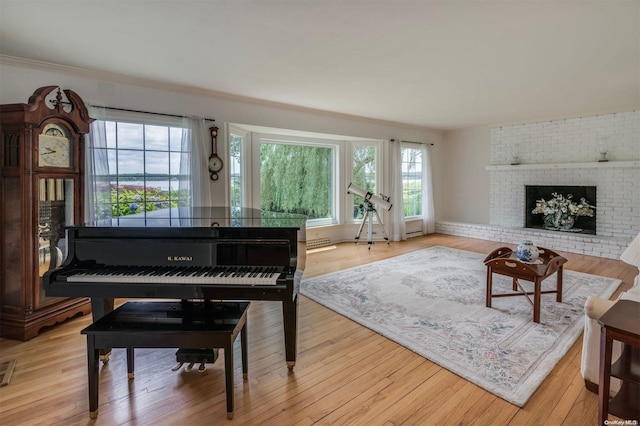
<point x="594" y="164"/>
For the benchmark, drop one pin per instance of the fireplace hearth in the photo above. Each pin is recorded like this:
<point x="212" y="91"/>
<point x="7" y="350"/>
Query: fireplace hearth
<point x="582" y="225"/>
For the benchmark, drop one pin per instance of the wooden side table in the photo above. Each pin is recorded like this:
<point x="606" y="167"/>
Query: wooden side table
<point x="503" y="261"/>
<point x="622" y="323"/>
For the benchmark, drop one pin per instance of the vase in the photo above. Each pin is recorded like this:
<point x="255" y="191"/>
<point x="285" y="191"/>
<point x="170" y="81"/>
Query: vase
<point x="555" y="222"/>
<point x="567" y="223"/>
<point x="527" y="251"/>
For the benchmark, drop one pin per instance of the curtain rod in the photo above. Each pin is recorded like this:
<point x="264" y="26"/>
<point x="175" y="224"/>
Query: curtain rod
<point x="148" y="112"/>
<point x="401" y="140"/>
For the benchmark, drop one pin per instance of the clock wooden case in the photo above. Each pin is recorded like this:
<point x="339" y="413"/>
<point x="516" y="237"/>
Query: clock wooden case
<point x="42" y="191"/>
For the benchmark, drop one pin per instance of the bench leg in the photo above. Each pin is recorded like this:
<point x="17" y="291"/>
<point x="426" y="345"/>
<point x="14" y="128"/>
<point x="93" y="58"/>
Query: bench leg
<point x="93" y="358"/>
<point x="130" y="363"/>
<point x="228" y="373"/>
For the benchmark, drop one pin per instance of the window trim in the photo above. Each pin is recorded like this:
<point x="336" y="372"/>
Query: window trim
<point x="246" y="169"/>
<point x="336" y="147"/>
<point x="137" y="118"/>
<point x="423" y="149"/>
<point x="342" y="173"/>
<point x="349" y="168"/>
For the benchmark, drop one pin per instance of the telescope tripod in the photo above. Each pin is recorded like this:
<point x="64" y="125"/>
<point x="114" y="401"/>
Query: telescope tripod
<point x="368" y="217"/>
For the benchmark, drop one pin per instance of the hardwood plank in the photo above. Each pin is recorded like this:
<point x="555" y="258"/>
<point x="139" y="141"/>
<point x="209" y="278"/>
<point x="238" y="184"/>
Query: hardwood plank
<point x="345" y="375"/>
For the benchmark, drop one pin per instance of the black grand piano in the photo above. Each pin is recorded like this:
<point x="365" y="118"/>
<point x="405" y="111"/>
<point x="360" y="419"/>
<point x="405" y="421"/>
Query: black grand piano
<point x="213" y="253"/>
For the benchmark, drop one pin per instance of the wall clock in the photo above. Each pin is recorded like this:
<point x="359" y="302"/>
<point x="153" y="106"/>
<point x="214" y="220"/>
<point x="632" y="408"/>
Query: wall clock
<point x="215" y="162"/>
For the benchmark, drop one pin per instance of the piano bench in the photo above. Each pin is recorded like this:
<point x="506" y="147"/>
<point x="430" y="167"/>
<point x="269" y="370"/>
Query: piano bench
<point x="168" y="325"/>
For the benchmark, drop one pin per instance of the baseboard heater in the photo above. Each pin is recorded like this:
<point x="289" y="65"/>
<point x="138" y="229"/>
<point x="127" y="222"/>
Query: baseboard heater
<point x="318" y="242"/>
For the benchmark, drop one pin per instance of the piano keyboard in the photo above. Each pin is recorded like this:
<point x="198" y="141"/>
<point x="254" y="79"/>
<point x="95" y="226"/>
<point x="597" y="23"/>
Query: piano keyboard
<point x="238" y="275"/>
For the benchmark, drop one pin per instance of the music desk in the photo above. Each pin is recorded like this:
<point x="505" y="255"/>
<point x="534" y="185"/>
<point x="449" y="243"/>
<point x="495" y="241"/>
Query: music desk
<point x="503" y="261"/>
<point x="168" y="325"/>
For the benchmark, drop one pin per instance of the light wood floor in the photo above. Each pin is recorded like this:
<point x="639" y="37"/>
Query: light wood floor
<point x="345" y="374"/>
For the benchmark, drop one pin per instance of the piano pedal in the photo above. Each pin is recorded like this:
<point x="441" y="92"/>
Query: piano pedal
<point x="195" y="356"/>
<point x="104" y="357"/>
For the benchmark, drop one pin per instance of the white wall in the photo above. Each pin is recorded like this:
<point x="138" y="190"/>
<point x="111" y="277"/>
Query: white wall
<point x="463" y="180"/>
<point x="19" y="79"/>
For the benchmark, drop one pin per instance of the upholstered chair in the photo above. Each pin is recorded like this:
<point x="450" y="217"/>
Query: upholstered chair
<point x="594" y="308"/>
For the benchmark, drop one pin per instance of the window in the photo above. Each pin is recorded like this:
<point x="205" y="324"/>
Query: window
<point x="144" y="162"/>
<point x="297" y="176"/>
<point x="237" y="175"/>
<point x="301" y="172"/>
<point x="364" y="156"/>
<point x="412" y="169"/>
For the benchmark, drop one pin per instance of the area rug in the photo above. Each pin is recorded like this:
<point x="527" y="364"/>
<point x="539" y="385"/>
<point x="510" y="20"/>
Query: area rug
<point x="432" y="301"/>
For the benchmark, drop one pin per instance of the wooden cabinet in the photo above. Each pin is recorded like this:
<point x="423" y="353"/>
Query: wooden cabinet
<point x="41" y="192"/>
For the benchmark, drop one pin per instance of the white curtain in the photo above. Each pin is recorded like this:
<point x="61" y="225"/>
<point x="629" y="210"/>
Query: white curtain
<point x="398" y="227"/>
<point x="97" y="189"/>
<point x="398" y="224"/>
<point x="194" y="184"/>
<point x="194" y="175"/>
<point x="428" y="211"/>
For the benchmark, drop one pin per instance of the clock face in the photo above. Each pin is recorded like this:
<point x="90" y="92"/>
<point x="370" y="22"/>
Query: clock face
<point x="54" y="147"/>
<point x="215" y="163"/>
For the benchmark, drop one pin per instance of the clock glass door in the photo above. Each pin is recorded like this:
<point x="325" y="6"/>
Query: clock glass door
<point x="55" y="211"/>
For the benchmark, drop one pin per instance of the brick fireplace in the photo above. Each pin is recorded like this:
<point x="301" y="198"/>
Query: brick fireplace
<point x="564" y="152"/>
<point x="574" y="194"/>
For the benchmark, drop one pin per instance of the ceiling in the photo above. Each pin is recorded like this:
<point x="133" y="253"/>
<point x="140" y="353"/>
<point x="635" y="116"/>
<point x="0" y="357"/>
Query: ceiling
<point x="438" y="64"/>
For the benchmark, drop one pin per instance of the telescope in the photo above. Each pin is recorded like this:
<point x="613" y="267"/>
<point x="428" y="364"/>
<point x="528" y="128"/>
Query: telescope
<point x="369" y="200"/>
<point x="369" y="197"/>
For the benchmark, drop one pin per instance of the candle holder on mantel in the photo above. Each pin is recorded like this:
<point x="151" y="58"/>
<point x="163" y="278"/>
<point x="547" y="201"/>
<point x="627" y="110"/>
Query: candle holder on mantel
<point x="603" y="157"/>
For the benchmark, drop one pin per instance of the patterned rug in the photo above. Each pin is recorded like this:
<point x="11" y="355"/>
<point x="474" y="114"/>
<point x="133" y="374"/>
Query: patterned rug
<point x="432" y="301"/>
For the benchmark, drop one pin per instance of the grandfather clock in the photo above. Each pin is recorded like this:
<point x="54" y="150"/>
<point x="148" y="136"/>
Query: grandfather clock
<point x="41" y="193"/>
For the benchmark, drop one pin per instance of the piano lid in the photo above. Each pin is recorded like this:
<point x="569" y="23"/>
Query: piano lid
<point x="228" y="217"/>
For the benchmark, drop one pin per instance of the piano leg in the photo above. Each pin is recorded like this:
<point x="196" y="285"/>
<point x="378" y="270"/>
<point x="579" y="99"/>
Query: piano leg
<point x="290" y="317"/>
<point x="99" y="308"/>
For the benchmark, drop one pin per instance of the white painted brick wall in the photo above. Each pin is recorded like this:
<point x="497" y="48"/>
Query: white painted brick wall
<point x="573" y="140"/>
<point x="570" y="141"/>
<point x="577" y="140"/>
<point x="618" y="195"/>
<point x="590" y="245"/>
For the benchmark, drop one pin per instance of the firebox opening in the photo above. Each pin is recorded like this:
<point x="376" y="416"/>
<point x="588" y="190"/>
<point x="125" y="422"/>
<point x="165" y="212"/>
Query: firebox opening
<point x="582" y="225"/>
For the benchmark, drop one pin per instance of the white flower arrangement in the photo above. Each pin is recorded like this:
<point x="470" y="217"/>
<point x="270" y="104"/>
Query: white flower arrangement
<point x="560" y="212"/>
